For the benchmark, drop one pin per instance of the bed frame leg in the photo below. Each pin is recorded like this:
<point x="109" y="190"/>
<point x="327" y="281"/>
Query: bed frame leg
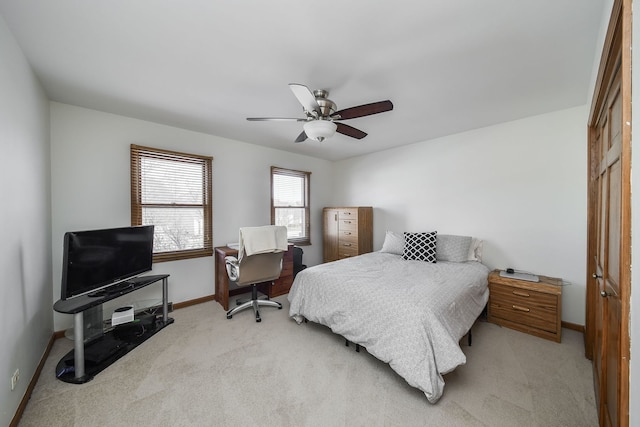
<point x="346" y="343"/>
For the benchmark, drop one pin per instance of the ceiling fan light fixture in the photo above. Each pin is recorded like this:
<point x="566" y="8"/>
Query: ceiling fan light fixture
<point x="319" y="130"/>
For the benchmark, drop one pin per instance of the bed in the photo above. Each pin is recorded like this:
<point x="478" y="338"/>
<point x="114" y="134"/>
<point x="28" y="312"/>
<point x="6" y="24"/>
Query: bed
<point x="408" y="313"/>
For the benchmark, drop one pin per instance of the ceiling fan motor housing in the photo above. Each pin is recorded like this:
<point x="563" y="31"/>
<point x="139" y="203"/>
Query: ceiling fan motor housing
<point x="327" y="106"/>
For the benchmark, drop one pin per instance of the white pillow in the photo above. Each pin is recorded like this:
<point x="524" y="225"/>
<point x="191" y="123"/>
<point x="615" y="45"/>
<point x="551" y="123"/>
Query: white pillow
<point x="475" y="250"/>
<point x="393" y="243"/>
<point x="452" y="248"/>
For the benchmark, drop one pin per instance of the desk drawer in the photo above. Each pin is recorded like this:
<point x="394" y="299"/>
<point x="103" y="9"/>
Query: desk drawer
<point x="281" y="285"/>
<point x="287" y="269"/>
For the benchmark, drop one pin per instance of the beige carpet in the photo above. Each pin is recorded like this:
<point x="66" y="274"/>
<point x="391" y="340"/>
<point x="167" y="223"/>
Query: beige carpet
<point x="205" y="370"/>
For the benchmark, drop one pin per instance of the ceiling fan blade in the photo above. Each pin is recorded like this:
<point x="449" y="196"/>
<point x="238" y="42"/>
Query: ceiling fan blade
<point x="350" y="131"/>
<point x="302" y="137"/>
<point x="305" y="96"/>
<point x="274" y="119"/>
<point x="363" y="110"/>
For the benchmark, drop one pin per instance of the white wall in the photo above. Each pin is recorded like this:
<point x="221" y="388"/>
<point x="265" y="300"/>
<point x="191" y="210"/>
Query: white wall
<point x="520" y="186"/>
<point x="91" y="189"/>
<point x="25" y="257"/>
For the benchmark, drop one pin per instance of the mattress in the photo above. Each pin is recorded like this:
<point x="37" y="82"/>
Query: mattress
<point x="409" y="314"/>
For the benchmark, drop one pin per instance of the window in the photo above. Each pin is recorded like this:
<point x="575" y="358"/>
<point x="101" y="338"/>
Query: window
<point x="290" y="203"/>
<point x="173" y="192"/>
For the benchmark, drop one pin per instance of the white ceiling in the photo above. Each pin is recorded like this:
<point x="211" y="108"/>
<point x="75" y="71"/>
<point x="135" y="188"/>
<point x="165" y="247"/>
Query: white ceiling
<point x="448" y="66"/>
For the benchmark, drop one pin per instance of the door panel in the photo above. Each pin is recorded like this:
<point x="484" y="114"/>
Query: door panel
<point x="610" y="386"/>
<point x="329" y="235"/>
<point x="613" y="247"/>
<point x="607" y="339"/>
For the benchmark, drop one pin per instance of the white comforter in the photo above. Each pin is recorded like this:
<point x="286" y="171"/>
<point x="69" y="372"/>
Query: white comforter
<point x="410" y="314"/>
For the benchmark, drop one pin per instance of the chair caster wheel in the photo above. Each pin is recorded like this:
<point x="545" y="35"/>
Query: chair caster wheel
<point x="258" y="320"/>
<point x="229" y="316"/>
<point x="280" y="308"/>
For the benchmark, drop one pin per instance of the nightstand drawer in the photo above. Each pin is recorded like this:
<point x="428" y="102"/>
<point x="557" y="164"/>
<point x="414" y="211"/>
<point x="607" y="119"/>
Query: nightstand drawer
<point x="527" y="297"/>
<point x="529" y="315"/>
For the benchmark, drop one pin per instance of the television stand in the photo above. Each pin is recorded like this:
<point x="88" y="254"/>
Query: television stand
<point x="86" y="360"/>
<point x="114" y="289"/>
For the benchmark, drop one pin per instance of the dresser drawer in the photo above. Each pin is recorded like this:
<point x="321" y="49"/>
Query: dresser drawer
<point x="348" y="243"/>
<point x="350" y="225"/>
<point x="347" y="237"/>
<point x="347" y="250"/>
<point x="348" y="214"/>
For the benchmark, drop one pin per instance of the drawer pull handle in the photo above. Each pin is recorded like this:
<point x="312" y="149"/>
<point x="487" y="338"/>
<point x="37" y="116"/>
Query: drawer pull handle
<point x="346" y="244"/>
<point x="346" y="233"/>
<point x="519" y="308"/>
<point x="347" y="222"/>
<point x="521" y="294"/>
<point x="347" y="213"/>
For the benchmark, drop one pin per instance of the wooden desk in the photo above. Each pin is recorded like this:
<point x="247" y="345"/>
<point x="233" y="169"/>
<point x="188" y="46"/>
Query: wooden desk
<point x="280" y="286"/>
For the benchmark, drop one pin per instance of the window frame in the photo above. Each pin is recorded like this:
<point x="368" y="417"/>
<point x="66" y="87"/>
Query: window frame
<point x="275" y="170"/>
<point x="138" y="152"/>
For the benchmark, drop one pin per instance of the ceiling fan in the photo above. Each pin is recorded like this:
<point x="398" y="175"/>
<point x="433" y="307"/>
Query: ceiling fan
<point x="321" y="114"/>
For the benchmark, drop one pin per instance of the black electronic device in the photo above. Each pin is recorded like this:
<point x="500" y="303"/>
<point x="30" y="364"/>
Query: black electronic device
<point x="132" y="331"/>
<point x="100" y="259"/>
<point x="510" y="270"/>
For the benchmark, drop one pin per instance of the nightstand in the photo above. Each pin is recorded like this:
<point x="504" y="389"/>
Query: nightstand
<point x="531" y="307"/>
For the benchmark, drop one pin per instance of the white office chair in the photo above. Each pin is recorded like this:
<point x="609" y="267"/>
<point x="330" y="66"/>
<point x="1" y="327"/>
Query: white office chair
<point x="259" y="260"/>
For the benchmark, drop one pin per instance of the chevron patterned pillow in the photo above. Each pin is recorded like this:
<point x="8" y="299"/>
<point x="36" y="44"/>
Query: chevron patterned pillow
<point x="420" y="246"/>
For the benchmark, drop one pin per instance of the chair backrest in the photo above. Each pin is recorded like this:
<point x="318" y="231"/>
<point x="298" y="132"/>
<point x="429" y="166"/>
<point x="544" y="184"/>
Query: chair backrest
<point x="264" y="239"/>
<point x="259" y="268"/>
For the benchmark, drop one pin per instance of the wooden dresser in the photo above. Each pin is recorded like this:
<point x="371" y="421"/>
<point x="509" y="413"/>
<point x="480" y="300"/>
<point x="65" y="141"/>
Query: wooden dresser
<point x="347" y="231"/>
<point x="280" y="286"/>
<point x="531" y="307"/>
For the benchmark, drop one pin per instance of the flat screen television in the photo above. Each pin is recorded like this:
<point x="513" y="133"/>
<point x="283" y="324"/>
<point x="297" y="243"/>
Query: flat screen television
<point x="99" y="259"/>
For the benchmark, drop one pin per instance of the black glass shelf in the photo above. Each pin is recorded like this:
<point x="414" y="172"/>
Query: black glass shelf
<point x="85" y="302"/>
<point x="104" y="351"/>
